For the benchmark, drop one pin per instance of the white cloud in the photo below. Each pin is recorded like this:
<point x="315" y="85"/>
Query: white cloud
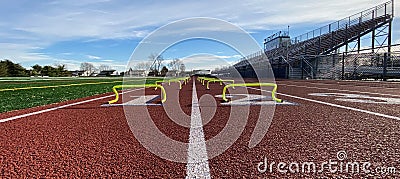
<point x="67" y="53"/>
<point x="208" y="61"/>
<point x="228" y="56"/>
<point x="117" y="19"/>
<point x="39" y="24"/>
<point x="21" y="53"/>
<point x="92" y="57"/>
<point x="206" y="58"/>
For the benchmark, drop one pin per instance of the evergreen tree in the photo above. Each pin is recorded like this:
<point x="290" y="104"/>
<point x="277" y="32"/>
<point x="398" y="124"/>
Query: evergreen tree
<point x="3" y="69"/>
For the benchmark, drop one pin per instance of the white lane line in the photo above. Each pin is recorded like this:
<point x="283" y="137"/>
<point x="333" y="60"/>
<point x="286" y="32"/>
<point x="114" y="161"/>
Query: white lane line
<point x="342" y="90"/>
<point x="197" y="165"/>
<point x="60" y="107"/>
<point x="336" y="105"/>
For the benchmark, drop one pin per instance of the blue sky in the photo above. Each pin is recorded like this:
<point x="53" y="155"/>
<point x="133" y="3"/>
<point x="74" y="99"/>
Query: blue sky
<point x="70" y="32"/>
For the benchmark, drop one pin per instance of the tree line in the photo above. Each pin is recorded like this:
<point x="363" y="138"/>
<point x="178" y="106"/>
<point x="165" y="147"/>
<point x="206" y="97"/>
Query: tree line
<point x="10" y="69"/>
<point x="154" y="66"/>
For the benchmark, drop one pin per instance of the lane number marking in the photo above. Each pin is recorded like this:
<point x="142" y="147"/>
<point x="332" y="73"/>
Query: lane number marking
<point x="251" y="99"/>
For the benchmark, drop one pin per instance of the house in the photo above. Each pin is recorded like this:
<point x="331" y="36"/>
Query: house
<point x="136" y="73"/>
<point x="77" y="73"/>
<point x="108" y="73"/>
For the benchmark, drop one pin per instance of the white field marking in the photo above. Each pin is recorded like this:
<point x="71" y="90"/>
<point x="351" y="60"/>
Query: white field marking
<point x="252" y="99"/>
<point x="346" y="85"/>
<point x="336" y="105"/>
<point x="197" y="165"/>
<point x="60" y="107"/>
<point x="342" y="90"/>
<point x="138" y="101"/>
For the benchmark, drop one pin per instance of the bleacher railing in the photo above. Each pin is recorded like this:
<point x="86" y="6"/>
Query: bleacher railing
<point x="385" y="9"/>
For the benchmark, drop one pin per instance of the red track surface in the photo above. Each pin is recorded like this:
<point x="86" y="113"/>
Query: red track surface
<point x="88" y="140"/>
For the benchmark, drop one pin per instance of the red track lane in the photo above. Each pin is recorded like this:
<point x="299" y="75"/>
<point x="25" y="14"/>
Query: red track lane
<point x="88" y="140"/>
<point x="83" y="141"/>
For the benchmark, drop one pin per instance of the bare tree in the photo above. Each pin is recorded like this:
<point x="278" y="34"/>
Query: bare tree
<point x="152" y="59"/>
<point x="157" y="61"/>
<point x="139" y="66"/>
<point x="143" y="65"/>
<point x="175" y="64"/>
<point x="104" y="67"/>
<point x="88" y="67"/>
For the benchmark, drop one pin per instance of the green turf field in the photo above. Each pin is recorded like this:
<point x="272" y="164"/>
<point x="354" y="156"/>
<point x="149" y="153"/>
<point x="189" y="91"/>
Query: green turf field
<point x="26" y="98"/>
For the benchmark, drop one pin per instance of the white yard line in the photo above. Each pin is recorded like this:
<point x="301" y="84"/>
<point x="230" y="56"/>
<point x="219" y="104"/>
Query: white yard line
<point x="60" y="107"/>
<point x="336" y="105"/>
<point x="197" y="165"/>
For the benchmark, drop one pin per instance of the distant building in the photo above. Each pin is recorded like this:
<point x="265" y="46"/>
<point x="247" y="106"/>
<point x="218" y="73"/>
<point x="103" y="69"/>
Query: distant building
<point x="173" y="73"/>
<point x="77" y="73"/>
<point x="201" y="72"/>
<point x="277" y="40"/>
<point x="136" y="73"/>
<point x="108" y="73"/>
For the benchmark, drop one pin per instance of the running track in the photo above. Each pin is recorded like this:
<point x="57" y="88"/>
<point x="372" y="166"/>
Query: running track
<point x="81" y="138"/>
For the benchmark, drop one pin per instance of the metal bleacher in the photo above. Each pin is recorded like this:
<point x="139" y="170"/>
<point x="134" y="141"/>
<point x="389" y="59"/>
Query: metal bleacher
<point x="324" y="40"/>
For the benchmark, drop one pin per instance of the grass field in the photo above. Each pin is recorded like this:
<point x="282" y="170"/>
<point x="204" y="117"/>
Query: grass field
<point x="26" y="98"/>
